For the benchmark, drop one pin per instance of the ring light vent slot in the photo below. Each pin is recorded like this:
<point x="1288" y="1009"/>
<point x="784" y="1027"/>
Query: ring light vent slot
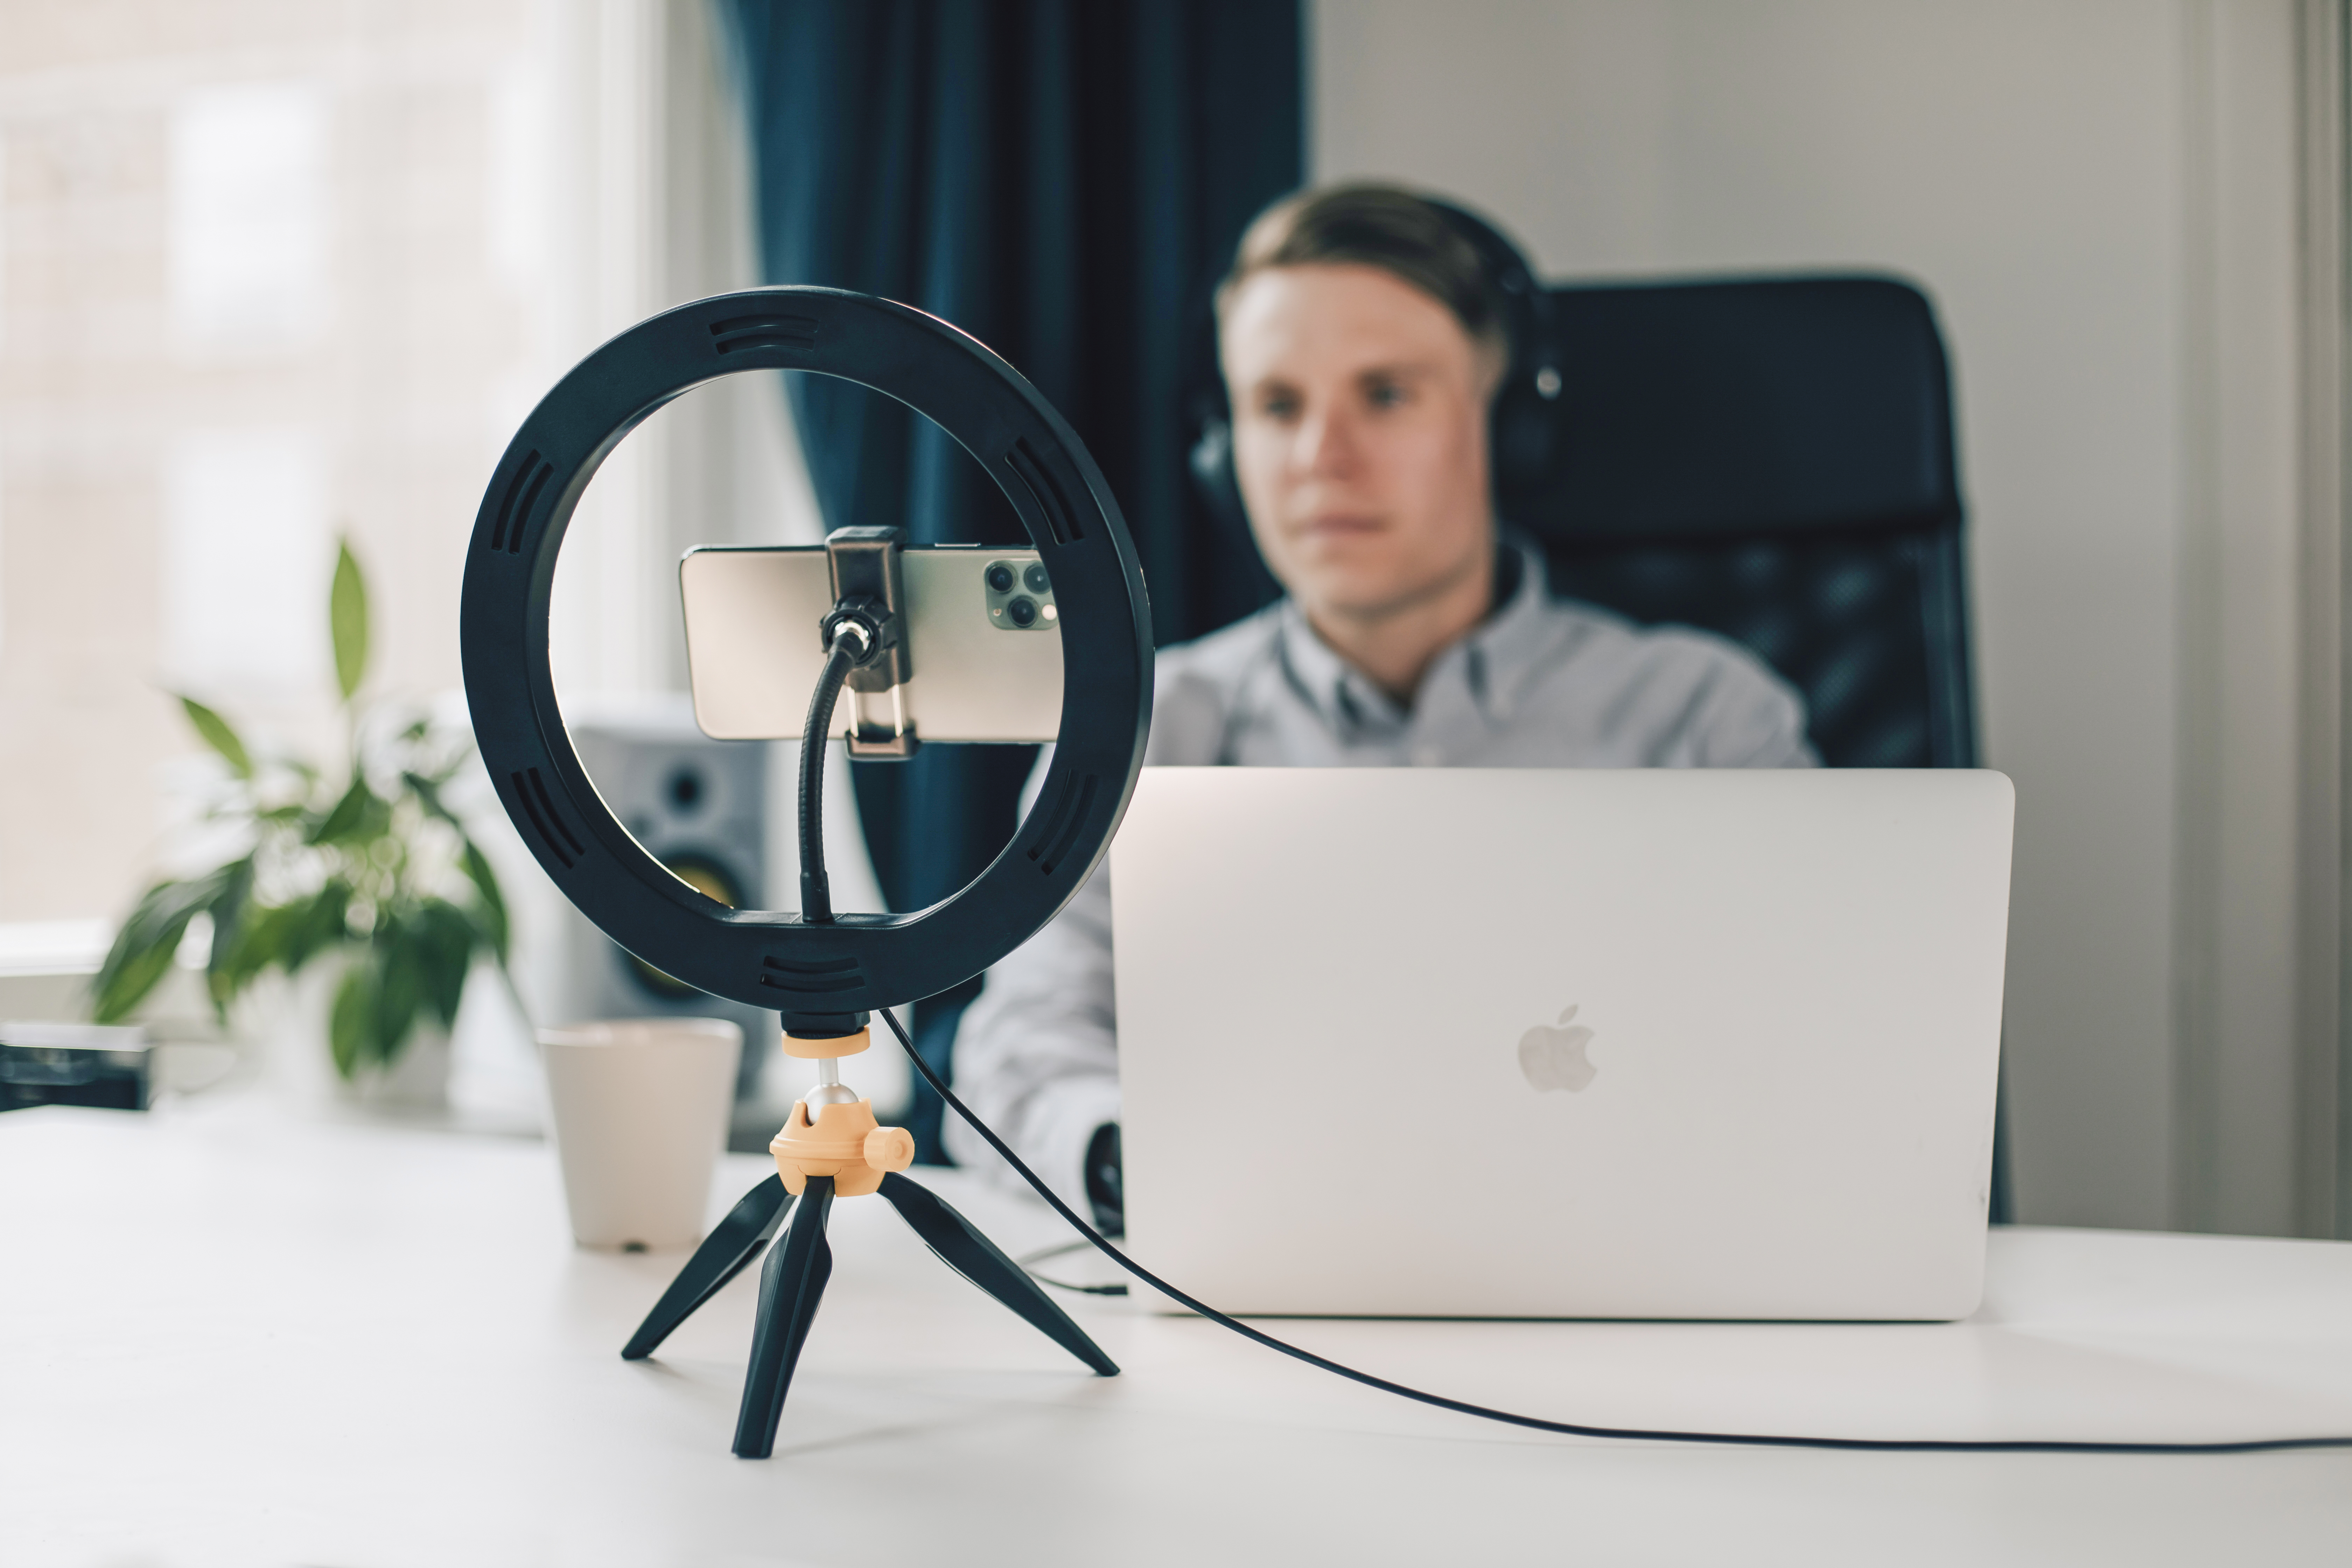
<point x="1062" y="824"/>
<point x="531" y="476"/>
<point x="810" y="977"/>
<point x="797" y="333"/>
<point x="539" y="807"/>
<point x="1047" y="490"/>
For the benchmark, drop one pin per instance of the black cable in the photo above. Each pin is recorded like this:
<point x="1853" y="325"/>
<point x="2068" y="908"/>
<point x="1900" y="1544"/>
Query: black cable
<point x="816" y="891"/>
<point x="1027" y="1264"/>
<point x="1462" y="1407"/>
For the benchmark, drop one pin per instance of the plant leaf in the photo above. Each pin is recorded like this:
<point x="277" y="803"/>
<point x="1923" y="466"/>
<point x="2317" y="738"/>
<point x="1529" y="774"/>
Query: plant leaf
<point x="428" y="794"/>
<point x="228" y="912"/>
<point x="143" y="949"/>
<point x="445" y="941"/>
<point x="347" y="615"/>
<point x="218" y="735"/>
<point x="321" y="927"/>
<point x="286" y="935"/>
<point x="400" y="985"/>
<point x="489" y="919"/>
<point x="261" y="937"/>
<point x="351" y="1023"/>
<point x="490" y="913"/>
<point x="360" y="814"/>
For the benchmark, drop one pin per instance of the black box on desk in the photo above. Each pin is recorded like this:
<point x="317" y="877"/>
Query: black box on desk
<point x="74" y="1064"/>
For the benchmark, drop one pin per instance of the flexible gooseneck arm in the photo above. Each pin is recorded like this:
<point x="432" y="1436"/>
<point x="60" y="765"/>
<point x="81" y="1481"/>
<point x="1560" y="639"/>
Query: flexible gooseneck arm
<point x="848" y="642"/>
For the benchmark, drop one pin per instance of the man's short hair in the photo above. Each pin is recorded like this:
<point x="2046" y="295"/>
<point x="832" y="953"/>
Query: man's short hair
<point x="1385" y="226"/>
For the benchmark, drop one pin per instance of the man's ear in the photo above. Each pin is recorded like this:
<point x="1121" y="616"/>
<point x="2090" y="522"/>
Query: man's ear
<point x="1491" y="361"/>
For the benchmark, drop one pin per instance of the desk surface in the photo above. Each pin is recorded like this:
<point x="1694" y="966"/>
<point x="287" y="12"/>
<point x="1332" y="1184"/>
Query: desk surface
<point x="232" y="1337"/>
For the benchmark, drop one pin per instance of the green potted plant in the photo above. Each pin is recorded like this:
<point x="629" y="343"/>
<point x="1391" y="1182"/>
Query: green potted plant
<point x="369" y="868"/>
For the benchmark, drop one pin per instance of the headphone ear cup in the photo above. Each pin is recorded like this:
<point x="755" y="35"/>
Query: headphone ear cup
<point x="1212" y="465"/>
<point x="1522" y="437"/>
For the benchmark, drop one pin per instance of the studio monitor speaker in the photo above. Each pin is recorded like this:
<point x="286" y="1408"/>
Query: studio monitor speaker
<point x="697" y="807"/>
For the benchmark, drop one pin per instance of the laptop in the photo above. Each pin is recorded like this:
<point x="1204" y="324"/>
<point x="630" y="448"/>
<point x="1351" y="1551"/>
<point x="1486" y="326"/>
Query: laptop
<point x="1562" y="1044"/>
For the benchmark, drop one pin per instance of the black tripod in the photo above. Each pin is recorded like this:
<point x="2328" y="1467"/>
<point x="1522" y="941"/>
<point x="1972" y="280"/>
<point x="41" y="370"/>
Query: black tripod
<point x="792" y="1282"/>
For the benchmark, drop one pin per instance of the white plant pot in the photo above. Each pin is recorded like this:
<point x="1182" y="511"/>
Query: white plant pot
<point x="418" y="1082"/>
<point x="292" y="1022"/>
<point x="289" y="1021"/>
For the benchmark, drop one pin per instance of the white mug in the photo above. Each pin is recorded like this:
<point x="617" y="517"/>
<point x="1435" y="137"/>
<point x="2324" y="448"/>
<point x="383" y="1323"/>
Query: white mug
<point x="640" y="1109"/>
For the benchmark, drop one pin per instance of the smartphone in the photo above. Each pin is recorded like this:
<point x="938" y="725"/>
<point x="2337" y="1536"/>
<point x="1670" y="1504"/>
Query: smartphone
<point x="982" y="626"/>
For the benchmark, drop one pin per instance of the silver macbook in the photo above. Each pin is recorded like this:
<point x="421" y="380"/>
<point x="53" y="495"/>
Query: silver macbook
<point x="1654" y="1044"/>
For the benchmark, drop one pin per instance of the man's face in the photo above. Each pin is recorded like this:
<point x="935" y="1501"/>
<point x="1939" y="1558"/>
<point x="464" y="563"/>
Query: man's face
<point x="1360" y="436"/>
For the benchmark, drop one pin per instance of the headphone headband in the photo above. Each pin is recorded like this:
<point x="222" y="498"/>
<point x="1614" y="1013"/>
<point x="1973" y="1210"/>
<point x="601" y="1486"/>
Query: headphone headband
<point x="1535" y="347"/>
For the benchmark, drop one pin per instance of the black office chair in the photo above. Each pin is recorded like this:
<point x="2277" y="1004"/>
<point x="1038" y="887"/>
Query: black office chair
<point x="1772" y="461"/>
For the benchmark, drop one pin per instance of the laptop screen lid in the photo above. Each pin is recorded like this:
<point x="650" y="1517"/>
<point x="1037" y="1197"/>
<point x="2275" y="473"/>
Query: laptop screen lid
<point x="1534" y="1043"/>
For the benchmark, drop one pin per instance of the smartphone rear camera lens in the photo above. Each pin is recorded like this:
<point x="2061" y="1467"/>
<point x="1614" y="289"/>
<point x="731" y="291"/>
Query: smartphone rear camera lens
<point x="1037" y="579"/>
<point x="1000" y="578"/>
<point x="1022" y="612"/>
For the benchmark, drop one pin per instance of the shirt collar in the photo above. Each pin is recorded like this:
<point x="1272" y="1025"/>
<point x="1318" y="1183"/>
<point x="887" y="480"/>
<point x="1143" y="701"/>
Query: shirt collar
<point x="1513" y="641"/>
<point x="1498" y="652"/>
<point x="1338" y="692"/>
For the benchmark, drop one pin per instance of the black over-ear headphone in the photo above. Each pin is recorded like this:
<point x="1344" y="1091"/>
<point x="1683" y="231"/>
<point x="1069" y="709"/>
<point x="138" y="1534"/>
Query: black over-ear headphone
<point x="1522" y="425"/>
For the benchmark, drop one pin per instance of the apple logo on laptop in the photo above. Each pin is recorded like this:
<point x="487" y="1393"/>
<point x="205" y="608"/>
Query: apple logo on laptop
<point x="1554" y="1058"/>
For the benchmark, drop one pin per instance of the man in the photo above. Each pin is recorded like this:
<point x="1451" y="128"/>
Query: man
<point x="1362" y="342"/>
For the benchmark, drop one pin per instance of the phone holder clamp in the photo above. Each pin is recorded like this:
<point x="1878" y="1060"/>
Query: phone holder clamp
<point x="869" y="594"/>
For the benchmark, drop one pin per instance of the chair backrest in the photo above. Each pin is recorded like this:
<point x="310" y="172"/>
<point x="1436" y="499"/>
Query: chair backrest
<point x="1771" y="460"/>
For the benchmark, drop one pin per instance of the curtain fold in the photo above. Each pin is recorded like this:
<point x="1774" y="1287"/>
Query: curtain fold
<point x="1062" y="179"/>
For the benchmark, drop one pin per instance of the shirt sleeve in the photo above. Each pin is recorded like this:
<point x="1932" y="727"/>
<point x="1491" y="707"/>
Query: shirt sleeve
<point x="1728" y="709"/>
<point x="1035" y="1055"/>
<point x="1752" y="719"/>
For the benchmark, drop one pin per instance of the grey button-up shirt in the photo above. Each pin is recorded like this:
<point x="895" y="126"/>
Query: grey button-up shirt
<point x="1541" y="683"/>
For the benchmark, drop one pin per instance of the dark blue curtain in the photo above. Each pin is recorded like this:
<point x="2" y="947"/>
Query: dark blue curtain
<point x="1062" y="179"/>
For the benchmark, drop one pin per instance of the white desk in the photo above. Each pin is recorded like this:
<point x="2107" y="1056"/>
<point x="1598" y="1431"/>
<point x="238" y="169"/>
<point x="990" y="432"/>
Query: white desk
<point x="232" y="1337"/>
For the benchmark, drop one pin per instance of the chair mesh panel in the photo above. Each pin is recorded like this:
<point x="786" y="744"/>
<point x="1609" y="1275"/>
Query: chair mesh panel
<point x="1841" y="618"/>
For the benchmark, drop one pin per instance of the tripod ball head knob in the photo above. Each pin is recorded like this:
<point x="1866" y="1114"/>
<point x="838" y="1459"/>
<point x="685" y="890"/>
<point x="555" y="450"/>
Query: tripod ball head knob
<point x="889" y="1148"/>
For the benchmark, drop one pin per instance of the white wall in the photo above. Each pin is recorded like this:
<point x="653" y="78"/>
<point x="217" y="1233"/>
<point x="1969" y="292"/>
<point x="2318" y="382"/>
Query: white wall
<point x="2056" y="174"/>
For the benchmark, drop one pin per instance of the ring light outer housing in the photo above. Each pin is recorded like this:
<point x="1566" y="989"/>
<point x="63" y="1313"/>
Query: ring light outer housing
<point x="819" y="977"/>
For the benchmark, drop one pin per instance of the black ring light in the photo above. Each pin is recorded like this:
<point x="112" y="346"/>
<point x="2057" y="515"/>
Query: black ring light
<point x="820" y="976"/>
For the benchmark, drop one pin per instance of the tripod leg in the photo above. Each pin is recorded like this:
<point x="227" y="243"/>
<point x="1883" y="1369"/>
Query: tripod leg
<point x="962" y="1247"/>
<point x="791" y="1285"/>
<point x="726" y="1252"/>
